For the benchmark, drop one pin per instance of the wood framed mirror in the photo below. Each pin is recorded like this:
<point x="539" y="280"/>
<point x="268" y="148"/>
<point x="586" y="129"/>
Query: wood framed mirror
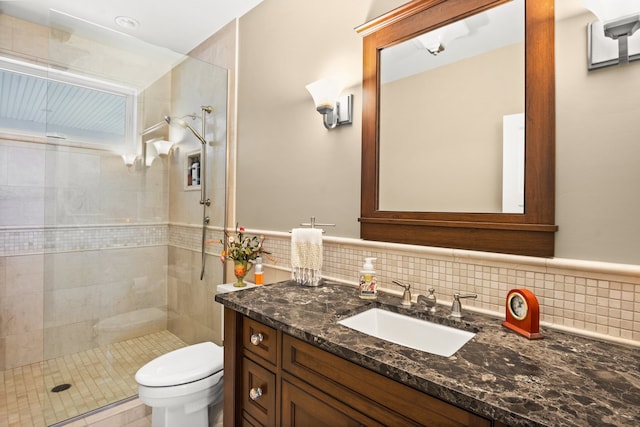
<point x="529" y="232"/>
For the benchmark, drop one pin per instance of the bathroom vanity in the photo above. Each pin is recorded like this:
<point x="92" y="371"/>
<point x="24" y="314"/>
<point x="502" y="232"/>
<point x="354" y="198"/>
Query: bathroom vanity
<point x="289" y="362"/>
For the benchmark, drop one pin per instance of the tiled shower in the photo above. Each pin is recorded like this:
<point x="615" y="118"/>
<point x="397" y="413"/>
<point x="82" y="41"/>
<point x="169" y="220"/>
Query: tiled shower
<point x="91" y="251"/>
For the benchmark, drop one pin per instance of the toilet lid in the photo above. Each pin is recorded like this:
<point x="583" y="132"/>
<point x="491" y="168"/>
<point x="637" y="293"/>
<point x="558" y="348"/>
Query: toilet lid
<point x="185" y="365"/>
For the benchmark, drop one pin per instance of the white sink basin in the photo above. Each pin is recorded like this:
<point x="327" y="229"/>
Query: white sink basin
<point x="409" y="332"/>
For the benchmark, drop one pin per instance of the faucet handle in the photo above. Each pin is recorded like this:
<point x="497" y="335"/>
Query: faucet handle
<point x="406" y="295"/>
<point x="456" y="307"/>
<point x="458" y="296"/>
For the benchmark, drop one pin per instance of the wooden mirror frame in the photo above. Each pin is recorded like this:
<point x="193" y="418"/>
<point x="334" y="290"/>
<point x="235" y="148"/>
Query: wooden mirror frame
<point x="531" y="233"/>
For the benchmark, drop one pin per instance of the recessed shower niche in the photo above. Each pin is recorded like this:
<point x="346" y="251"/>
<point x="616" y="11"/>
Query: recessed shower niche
<point x="191" y="171"/>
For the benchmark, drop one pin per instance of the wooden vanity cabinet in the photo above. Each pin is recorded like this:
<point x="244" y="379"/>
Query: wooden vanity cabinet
<point x="303" y="385"/>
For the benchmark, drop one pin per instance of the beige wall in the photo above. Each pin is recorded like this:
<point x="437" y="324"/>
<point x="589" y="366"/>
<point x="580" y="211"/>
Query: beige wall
<point x="598" y="152"/>
<point x="291" y="168"/>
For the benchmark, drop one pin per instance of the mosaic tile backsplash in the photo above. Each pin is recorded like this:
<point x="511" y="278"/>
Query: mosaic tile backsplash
<point x="594" y="298"/>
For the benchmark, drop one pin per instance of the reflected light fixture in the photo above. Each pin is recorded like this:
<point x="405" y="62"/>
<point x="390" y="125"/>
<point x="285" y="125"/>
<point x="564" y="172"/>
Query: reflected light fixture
<point x="336" y="110"/>
<point x="436" y="41"/>
<point x="611" y="39"/>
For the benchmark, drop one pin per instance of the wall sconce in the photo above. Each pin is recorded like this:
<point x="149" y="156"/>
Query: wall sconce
<point x="163" y="147"/>
<point x="610" y="40"/>
<point x="129" y="159"/>
<point x="336" y="110"/>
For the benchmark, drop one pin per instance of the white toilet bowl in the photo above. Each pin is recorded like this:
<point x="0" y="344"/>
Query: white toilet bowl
<point x="181" y="385"/>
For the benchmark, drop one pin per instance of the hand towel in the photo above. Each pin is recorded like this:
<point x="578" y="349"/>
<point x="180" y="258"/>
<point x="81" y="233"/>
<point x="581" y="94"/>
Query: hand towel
<point x="306" y="255"/>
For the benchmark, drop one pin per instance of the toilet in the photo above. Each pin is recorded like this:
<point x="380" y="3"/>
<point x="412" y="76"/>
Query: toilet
<point x="180" y="386"/>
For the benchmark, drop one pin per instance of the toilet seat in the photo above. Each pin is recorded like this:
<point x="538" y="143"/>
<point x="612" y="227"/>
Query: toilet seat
<point x="180" y="394"/>
<point x="182" y="366"/>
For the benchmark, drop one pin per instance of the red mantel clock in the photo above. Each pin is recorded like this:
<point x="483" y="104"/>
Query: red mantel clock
<point x="523" y="313"/>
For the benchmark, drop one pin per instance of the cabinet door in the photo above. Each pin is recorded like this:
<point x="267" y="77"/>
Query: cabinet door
<point x="258" y="394"/>
<point x="304" y="406"/>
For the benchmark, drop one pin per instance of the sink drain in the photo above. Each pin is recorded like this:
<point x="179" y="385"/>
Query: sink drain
<point x="61" y="387"/>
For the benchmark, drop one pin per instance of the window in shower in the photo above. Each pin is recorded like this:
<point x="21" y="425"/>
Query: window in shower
<point x="65" y="108"/>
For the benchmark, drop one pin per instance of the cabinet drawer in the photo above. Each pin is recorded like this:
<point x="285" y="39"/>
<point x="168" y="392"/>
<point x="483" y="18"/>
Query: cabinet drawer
<point x="258" y="393"/>
<point x="304" y="406"/>
<point x="260" y="340"/>
<point x="353" y="384"/>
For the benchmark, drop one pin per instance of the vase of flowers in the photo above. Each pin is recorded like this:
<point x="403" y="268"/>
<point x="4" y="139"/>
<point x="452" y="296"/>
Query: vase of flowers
<point x="243" y="251"/>
<point x="240" y="269"/>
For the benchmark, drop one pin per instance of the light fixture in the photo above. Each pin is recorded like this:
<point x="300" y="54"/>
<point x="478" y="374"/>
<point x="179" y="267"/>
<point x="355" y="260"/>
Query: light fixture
<point x="336" y="110"/>
<point x="436" y="41"/>
<point x="163" y="147"/>
<point x="129" y="159"/>
<point x="611" y="39"/>
<point x="126" y="22"/>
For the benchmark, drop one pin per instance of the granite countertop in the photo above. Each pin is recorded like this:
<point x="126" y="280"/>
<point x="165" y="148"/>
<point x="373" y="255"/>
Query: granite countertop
<point x="561" y="380"/>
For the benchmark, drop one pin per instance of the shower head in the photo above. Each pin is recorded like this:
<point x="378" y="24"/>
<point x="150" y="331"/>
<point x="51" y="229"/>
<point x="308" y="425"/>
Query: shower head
<point x="178" y="121"/>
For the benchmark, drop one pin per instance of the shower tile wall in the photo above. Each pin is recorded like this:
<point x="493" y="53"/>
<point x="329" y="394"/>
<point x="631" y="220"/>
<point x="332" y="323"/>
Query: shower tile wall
<point x="102" y="252"/>
<point x="104" y="228"/>
<point x="193" y="315"/>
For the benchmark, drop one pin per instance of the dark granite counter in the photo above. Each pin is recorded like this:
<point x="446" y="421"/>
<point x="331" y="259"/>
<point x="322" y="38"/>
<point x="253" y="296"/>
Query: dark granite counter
<point x="561" y="380"/>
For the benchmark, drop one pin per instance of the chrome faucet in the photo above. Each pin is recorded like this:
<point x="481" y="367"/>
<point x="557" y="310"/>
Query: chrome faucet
<point x="406" y="295"/>
<point x="429" y="301"/>
<point x="456" y="307"/>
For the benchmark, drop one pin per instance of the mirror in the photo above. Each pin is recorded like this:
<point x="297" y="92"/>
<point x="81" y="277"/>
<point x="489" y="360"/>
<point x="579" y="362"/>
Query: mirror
<point x="396" y="207"/>
<point x="437" y="122"/>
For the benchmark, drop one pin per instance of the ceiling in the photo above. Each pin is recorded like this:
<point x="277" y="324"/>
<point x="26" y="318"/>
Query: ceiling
<point x="179" y="26"/>
<point x="176" y="25"/>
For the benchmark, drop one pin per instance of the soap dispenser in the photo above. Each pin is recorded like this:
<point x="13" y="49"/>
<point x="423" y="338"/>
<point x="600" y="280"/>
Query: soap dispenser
<point x="258" y="275"/>
<point x="368" y="283"/>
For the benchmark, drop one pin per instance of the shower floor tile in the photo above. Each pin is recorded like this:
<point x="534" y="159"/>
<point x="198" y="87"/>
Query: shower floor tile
<point x="98" y="377"/>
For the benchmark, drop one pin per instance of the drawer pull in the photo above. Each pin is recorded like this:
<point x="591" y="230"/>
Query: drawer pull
<point x="255" y="393"/>
<point x="256" y="339"/>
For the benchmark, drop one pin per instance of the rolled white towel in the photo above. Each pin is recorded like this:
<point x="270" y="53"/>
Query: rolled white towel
<point x="306" y="255"/>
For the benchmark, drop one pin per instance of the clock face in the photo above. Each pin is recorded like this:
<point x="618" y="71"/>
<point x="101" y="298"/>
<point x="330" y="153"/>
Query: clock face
<point x="523" y="313"/>
<point x="518" y="306"/>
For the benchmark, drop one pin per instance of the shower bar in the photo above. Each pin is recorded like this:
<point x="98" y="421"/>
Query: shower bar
<point x="204" y="200"/>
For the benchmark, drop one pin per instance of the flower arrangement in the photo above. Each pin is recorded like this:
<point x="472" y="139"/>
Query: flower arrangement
<point x="243" y="251"/>
<point x="241" y="248"/>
